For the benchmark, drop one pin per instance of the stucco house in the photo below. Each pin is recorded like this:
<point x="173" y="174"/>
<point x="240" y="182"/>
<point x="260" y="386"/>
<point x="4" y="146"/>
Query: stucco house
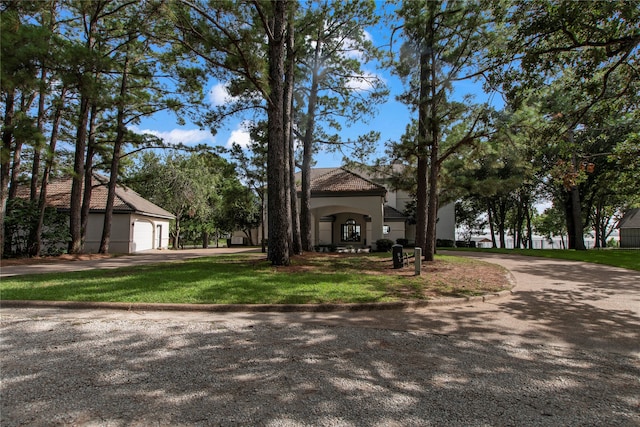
<point x="137" y="224"/>
<point x="355" y="208"/>
<point x="629" y="228"/>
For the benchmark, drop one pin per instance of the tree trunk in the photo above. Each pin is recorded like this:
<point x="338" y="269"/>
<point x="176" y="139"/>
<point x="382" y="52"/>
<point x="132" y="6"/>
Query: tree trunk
<point x="277" y="181"/>
<point x="36" y="232"/>
<point x="263" y="237"/>
<point x="422" y="194"/>
<point x="37" y="154"/>
<point x="115" y="160"/>
<point x="598" y="226"/>
<point x="432" y="213"/>
<point x="422" y="152"/>
<point x="307" y="156"/>
<point x="75" y="212"/>
<point x="33" y="243"/>
<point x="502" y="214"/>
<point x="13" y="185"/>
<point x="75" y="208"/>
<point x="37" y="148"/>
<point x="5" y="156"/>
<point x="529" y="228"/>
<point x="247" y="232"/>
<point x="434" y="161"/>
<point x="176" y="236"/>
<point x="16" y="164"/>
<point x="576" y="219"/>
<point x="494" y="244"/>
<point x="88" y="175"/>
<point x="428" y="137"/>
<point x="296" y="239"/>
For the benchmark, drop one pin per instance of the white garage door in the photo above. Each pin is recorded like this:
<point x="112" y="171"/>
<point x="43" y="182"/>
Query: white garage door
<point x="142" y="236"/>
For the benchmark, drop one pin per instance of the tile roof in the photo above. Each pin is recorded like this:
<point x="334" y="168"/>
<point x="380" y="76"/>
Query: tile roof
<point x="328" y="181"/>
<point x="126" y="200"/>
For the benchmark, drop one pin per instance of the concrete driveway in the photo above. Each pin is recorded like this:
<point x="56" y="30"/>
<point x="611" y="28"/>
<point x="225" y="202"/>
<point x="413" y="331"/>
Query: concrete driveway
<point x="146" y="257"/>
<point x="562" y="350"/>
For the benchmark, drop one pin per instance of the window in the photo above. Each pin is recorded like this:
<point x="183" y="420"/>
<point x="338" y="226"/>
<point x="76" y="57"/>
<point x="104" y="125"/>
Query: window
<point x="386" y="229"/>
<point x="350" y="231"/>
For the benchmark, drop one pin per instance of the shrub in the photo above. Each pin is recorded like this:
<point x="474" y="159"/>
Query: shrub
<point x="444" y="243"/>
<point x="403" y="242"/>
<point x="384" y="245"/>
<point x="21" y="215"/>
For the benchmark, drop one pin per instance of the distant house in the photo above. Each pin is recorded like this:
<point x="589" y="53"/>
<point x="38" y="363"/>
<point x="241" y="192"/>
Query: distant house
<point x="355" y="208"/>
<point x="137" y="224"/>
<point x="630" y="229"/>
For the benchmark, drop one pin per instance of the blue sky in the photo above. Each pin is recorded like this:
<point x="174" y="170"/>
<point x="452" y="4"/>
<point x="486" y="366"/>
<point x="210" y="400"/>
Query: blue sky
<point x="391" y="119"/>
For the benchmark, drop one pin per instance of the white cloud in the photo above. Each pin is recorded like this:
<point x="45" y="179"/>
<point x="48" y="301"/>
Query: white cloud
<point x="366" y="81"/>
<point x="219" y="95"/>
<point x="240" y="135"/>
<point x="177" y="136"/>
<point x="351" y="49"/>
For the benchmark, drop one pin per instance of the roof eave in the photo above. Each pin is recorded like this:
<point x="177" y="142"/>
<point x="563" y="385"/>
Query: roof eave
<point x="348" y="193"/>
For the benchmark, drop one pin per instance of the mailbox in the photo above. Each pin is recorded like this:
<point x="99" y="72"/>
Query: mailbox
<point x="398" y="260"/>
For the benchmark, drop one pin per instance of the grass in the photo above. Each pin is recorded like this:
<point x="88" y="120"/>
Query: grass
<point x="250" y="279"/>
<point x="618" y="258"/>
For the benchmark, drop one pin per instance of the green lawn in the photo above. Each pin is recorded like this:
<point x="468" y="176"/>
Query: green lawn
<point x="618" y="258"/>
<point x="249" y="279"/>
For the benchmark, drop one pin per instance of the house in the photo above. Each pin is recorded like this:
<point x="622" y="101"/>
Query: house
<point x="630" y="229"/>
<point x="137" y="224"/>
<point x="356" y="208"/>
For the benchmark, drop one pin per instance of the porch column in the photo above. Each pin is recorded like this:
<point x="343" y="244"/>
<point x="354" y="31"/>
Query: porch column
<point x="315" y="225"/>
<point x="377" y="221"/>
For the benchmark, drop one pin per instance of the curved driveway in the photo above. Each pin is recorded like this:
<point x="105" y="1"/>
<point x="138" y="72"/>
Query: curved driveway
<point x="562" y="350"/>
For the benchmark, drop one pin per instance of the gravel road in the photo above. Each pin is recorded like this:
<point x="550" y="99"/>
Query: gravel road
<point x="538" y="358"/>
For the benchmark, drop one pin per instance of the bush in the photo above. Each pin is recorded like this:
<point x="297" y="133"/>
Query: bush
<point x="384" y="245"/>
<point x="403" y="242"/>
<point x="21" y="214"/>
<point x="444" y="243"/>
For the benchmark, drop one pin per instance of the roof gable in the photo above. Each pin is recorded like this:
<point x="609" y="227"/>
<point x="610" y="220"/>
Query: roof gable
<point x="631" y="219"/>
<point x="392" y="214"/>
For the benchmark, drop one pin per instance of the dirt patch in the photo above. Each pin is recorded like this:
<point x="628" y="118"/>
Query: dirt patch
<point x="450" y="277"/>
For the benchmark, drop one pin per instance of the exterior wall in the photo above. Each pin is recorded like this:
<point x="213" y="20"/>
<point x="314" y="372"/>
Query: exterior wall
<point x="325" y="232"/>
<point x="350" y="206"/>
<point x="392" y="199"/>
<point x="122" y="232"/>
<point x="397" y="230"/>
<point x="630" y="237"/>
<point x="119" y="242"/>
<point x="446" y="225"/>
<point x="402" y="198"/>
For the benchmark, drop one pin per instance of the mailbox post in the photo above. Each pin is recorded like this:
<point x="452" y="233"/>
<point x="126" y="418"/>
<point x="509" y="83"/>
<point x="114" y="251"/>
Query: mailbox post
<point x="418" y="260"/>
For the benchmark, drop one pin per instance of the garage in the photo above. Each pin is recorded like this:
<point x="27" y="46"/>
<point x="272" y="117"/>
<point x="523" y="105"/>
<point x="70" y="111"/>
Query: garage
<point x="142" y="236"/>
